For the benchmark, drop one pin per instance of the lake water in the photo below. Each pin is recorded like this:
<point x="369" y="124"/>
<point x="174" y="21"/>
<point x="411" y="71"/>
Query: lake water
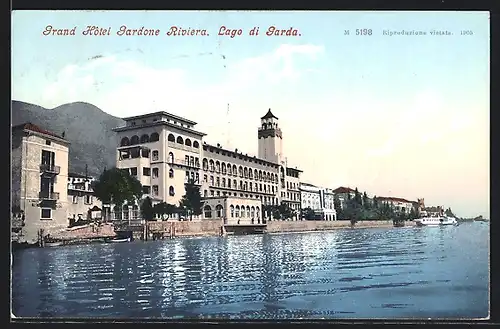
<point x="440" y="272"/>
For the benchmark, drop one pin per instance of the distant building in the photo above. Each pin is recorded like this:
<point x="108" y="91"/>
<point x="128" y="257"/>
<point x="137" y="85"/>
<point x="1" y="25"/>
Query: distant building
<point x="39" y="179"/>
<point x="344" y="194"/>
<point x="319" y="200"/>
<point x="82" y="204"/>
<point x="399" y="204"/>
<point x="164" y="152"/>
<point x="434" y="211"/>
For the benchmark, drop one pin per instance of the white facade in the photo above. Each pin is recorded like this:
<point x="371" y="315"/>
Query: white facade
<point x="164" y="152"/>
<point x="81" y="198"/>
<point x="399" y="204"/>
<point x="320" y="200"/>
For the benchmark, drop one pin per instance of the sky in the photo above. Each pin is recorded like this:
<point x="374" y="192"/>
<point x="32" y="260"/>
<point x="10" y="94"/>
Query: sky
<point x="401" y="115"/>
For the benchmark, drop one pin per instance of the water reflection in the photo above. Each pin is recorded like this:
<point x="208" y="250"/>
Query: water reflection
<point x="366" y="273"/>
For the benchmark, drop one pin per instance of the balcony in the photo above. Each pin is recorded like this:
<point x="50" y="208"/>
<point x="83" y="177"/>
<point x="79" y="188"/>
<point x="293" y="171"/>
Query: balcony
<point x="48" y="196"/>
<point x="50" y="169"/>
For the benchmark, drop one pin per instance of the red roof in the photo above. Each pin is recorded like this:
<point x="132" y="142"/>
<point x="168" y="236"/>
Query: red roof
<point x="34" y="128"/>
<point x="343" y="190"/>
<point x="389" y="198"/>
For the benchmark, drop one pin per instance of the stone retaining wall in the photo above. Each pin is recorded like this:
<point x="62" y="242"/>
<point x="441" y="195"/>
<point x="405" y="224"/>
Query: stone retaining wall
<point x="85" y="232"/>
<point x="304" y="226"/>
<point x="191" y="228"/>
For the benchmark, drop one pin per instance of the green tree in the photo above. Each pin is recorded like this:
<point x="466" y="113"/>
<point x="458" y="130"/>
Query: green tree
<point x="366" y="201"/>
<point x="375" y="202"/>
<point x="164" y="208"/>
<point x="449" y="213"/>
<point x="285" y="211"/>
<point x="308" y="213"/>
<point x="115" y="186"/>
<point x="357" y="197"/>
<point x="147" y="211"/>
<point x="191" y="201"/>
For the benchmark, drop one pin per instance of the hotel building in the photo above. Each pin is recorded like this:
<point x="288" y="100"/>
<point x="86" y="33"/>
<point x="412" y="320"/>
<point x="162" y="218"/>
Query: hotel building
<point x="165" y="151"/>
<point x="82" y="204"/>
<point x="320" y="200"/>
<point x="400" y="205"/>
<point x="39" y="180"/>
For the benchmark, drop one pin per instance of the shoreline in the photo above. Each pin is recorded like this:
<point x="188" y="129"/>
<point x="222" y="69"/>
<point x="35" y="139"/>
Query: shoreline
<point x="194" y="230"/>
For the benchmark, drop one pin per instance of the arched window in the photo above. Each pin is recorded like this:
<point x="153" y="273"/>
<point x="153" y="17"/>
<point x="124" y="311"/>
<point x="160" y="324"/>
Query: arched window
<point x="118" y="212"/>
<point x="250" y="174"/>
<point x="252" y="212"/>
<point x="205" y="193"/>
<point x="257" y="212"/>
<point x="205" y="164"/>
<point x="145" y="138"/>
<point x="211" y="165"/>
<point x="180" y="140"/>
<point x="242" y="214"/>
<point x="256" y="174"/>
<point x="134" y="140"/>
<point x="154" y="137"/>
<point x="196" y="144"/>
<point x="231" y="209"/>
<point x="260" y="175"/>
<point x="125" y="141"/>
<point x="235" y="170"/>
<point x="171" y="173"/>
<point x="187" y="142"/>
<point x="240" y="171"/>
<point x="218" y="210"/>
<point x="171" y="191"/>
<point x="223" y="167"/>
<point x="170" y="157"/>
<point x="217" y="166"/>
<point x="154" y="155"/>
<point x="245" y="172"/>
<point x="207" y="211"/>
<point x="135" y="212"/>
<point x="223" y="182"/>
<point x="248" y="211"/>
<point x="229" y="172"/>
<point x="125" y="212"/>
<point x="237" y="213"/>
<point x="171" y="138"/>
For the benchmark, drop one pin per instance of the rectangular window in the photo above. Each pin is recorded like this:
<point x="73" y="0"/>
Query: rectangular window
<point x="155" y="190"/>
<point x="75" y="199"/>
<point x="47" y="142"/>
<point x="146" y="189"/>
<point x="46" y="213"/>
<point x="133" y="171"/>
<point x="146" y="171"/>
<point x="88" y="199"/>
<point x="154" y="155"/>
<point x="155" y="172"/>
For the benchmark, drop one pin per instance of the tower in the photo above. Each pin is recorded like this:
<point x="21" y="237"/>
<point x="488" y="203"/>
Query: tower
<point x="270" y="139"/>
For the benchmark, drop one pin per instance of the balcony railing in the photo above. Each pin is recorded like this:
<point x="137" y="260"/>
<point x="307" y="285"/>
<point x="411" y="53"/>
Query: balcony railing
<point x="47" y="168"/>
<point x="48" y="195"/>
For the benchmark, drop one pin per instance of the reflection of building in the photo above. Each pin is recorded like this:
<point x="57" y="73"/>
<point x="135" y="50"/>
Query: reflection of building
<point x="320" y="200"/>
<point x="39" y="178"/>
<point x="164" y="152"/>
<point x="399" y="204"/>
<point x="81" y="199"/>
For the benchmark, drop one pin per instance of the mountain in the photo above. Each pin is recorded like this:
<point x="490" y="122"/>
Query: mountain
<point x="87" y="127"/>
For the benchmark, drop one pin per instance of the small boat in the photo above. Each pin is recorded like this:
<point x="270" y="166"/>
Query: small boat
<point x="53" y="244"/>
<point x="118" y="240"/>
<point x="435" y="221"/>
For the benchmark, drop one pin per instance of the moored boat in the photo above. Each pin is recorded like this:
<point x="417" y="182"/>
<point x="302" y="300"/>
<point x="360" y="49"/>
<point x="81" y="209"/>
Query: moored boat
<point x="118" y="240"/>
<point x="53" y="244"/>
<point x="435" y="221"/>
